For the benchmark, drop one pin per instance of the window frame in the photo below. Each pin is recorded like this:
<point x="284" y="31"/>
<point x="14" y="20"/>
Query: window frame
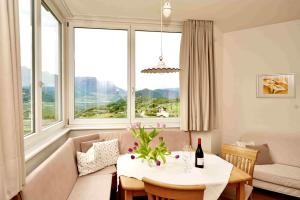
<point x="106" y="122"/>
<point x="32" y="90"/>
<point x="173" y="122"/>
<point x="60" y="81"/>
<point x="114" y="123"/>
<point x="41" y="132"/>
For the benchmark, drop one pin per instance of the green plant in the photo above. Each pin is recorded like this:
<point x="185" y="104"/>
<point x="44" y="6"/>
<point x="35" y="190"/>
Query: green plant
<point x="143" y="148"/>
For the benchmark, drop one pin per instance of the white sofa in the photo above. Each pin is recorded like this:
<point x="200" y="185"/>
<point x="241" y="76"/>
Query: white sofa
<point x="57" y="177"/>
<point x="284" y="175"/>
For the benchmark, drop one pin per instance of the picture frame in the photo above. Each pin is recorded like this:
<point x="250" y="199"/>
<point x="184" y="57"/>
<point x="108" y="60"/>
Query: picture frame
<point x="276" y="86"/>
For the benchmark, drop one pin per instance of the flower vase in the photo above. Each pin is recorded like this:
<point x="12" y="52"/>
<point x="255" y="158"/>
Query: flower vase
<point x="151" y="163"/>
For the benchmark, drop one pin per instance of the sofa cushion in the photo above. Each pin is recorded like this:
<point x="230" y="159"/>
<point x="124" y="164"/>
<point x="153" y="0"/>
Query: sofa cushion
<point x="55" y="177"/>
<point x="106" y="170"/>
<point x="282" y="146"/>
<point x="87" y="163"/>
<point x="263" y="156"/>
<point x="244" y="143"/>
<point x="285" y="175"/>
<point x="107" y="152"/>
<point x="78" y="140"/>
<point x="85" y="146"/>
<point x="93" y="186"/>
<point x="276" y="188"/>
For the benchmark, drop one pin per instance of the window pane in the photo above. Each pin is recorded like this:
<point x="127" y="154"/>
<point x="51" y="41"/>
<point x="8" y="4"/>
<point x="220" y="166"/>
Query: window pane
<point x="26" y="63"/>
<point x="100" y="73"/>
<point x="157" y="95"/>
<point x="51" y="68"/>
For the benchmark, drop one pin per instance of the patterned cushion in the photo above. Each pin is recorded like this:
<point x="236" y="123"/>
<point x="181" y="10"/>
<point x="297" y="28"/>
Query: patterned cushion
<point x="86" y="162"/>
<point x="85" y="146"/>
<point x="244" y="143"/>
<point x="100" y="155"/>
<point x="107" y="152"/>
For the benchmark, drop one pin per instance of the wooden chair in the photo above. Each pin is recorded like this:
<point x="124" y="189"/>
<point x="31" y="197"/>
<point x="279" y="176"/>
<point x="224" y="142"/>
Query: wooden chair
<point x="161" y="191"/>
<point x="242" y="158"/>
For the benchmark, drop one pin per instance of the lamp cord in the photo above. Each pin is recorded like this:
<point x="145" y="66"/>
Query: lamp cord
<point x="161" y="29"/>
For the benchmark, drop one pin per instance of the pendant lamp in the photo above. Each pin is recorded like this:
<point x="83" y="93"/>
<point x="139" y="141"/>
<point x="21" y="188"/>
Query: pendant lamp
<point x="161" y="67"/>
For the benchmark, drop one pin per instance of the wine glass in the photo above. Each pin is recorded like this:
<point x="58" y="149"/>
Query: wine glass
<point x="187" y="153"/>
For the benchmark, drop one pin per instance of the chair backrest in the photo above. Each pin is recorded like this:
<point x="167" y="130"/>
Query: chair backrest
<point x="157" y="190"/>
<point x="240" y="157"/>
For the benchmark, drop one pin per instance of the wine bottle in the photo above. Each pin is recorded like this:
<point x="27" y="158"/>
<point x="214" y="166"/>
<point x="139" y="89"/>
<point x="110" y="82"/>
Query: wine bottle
<point x="199" y="156"/>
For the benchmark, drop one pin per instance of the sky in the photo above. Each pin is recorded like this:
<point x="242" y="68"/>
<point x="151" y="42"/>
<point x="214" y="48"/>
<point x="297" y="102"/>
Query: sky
<point x="103" y="53"/>
<point x="25" y="30"/>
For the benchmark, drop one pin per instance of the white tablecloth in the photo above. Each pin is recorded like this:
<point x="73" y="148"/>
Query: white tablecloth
<point x="214" y="175"/>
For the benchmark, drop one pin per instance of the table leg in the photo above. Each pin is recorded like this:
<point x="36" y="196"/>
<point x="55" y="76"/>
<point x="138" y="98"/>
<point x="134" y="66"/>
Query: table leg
<point x="128" y="195"/>
<point x="240" y="191"/>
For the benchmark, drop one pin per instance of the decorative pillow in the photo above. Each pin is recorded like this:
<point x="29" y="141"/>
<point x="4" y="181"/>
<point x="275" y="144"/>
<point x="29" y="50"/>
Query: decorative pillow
<point x="85" y="146"/>
<point x="100" y="155"/>
<point x="86" y="162"/>
<point x="263" y="156"/>
<point x="107" y="152"/>
<point x="244" y="144"/>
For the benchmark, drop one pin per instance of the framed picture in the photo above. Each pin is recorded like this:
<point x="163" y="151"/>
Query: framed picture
<point x="276" y="85"/>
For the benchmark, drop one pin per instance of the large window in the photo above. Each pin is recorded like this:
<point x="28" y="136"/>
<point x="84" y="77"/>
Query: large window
<point x="25" y="10"/>
<point x="104" y="59"/>
<point x="40" y="43"/>
<point x="51" y="67"/>
<point x="100" y="84"/>
<point x="157" y="95"/>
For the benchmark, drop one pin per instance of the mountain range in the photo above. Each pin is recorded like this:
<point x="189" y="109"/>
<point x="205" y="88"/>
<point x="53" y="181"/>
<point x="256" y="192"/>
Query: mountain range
<point x="49" y="80"/>
<point x="92" y="88"/>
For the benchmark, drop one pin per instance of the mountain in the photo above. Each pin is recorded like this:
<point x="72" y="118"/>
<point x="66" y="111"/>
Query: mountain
<point x="49" y="79"/>
<point x="171" y="93"/>
<point x="91" y="87"/>
<point x="26" y="76"/>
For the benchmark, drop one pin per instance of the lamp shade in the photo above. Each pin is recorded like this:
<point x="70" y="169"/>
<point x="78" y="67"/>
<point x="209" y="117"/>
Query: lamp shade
<point x="160" y="68"/>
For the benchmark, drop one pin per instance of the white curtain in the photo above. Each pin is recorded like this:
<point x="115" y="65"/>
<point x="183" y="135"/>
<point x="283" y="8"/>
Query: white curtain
<point x="11" y="122"/>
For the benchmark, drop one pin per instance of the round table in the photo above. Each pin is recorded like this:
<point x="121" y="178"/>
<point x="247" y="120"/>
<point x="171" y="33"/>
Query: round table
<point x="214" y="175"/>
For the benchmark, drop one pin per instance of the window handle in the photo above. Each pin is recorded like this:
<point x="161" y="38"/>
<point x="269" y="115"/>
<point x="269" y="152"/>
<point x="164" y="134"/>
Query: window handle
<point x="41" y="84"/>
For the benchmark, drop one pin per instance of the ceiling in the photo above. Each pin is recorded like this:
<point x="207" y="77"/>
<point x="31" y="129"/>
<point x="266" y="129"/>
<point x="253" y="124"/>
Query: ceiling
<point x="229" y="15"/>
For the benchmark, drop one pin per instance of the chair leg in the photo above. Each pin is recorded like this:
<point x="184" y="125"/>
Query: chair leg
<point x="251" y="196"/>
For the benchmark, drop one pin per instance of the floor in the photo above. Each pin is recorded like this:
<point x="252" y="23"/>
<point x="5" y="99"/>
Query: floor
<point x="258" y="194"/>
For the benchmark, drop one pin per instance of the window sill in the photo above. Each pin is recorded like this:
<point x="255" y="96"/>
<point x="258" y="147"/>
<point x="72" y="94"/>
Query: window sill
<point x="121" y="124"/>
<point x="44" y="141"/>
<point x="36" y="143"/>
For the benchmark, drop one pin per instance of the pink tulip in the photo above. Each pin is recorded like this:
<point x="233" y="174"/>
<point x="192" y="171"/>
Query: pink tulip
<point x="130" y="150"/>
<point x="133" y="126"/>
<point x="158" y="163"/>
<point x="158" y="125"/>
<point x="136" y="144"/>
<point x="132" y="157"/>
<point x="177" y="156"/>
<point x="134" y="148"/>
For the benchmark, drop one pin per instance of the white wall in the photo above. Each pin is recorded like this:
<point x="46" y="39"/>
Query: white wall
<point x="247" y="53"/>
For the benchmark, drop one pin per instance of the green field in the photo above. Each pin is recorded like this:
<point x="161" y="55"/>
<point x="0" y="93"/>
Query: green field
<point x="118" y="109"/>
<point x="88" y="108"/>
<point x="49" y="116"/>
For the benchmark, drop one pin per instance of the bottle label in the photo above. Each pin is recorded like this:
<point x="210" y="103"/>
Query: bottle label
<point x="200" y="161"/>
